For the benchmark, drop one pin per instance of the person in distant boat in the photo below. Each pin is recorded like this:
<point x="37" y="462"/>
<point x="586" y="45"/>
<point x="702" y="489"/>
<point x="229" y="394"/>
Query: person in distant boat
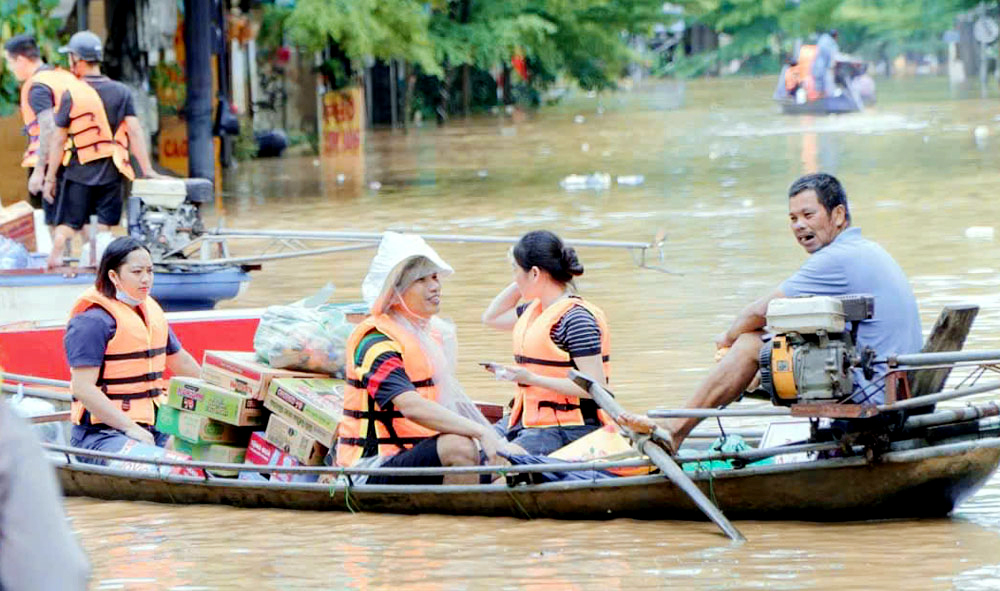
<point x="119" y="345"/>
<point x="554" y="330"/>
<point x="403" y="406"/>
<point x="827" y="51"/>
<point x="841" y="262"/>
<point x="37" y="547"/>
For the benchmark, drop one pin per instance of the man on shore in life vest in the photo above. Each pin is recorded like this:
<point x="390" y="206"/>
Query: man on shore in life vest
<point x="41" y="88"/>
<point x="100" y="120"/>
<point x="403" y="406"/>
<point x="841" y="262"/>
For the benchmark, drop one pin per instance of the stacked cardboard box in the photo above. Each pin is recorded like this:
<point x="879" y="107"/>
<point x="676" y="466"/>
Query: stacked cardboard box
<point x="134" y="449"/>
<point x="198" y="429"/>
<point x="240" y="371"/>
<point x="17" y="222"/>
<point x="261" y="452"/>
<point x="313" y="406"/>
<point x="211" y="452"/>
<point x="294" y="441"/>
<point x="215" y="402"/>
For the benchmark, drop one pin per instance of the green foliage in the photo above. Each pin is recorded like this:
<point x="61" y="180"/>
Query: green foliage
<point x="26" y="16"/>
<point x="383" y="29"/>
<point x="763" y="31"/>
<point x="245" y="144"/>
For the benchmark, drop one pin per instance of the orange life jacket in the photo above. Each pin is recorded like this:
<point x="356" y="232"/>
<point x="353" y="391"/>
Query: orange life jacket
<point x="367" y="429"/>
<point x="135" y="358"/>
<point x="535" y="351"/>
<point x="59" y="81"/>
<point x="807" y="55"/>
<point x="90" y="132"/>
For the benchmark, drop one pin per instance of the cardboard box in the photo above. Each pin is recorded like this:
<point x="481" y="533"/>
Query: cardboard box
<point x="17" y="222"/>
<point x="241" y="372"/>
<point x="134" y="449"/>
<point x="294" y="441"/>
<point x="217" y="403"/>
<point x="198" y="429"/>
<point x="260" y="452"/>
<point x="312" y="405"/>
<point x="211" y="452"/>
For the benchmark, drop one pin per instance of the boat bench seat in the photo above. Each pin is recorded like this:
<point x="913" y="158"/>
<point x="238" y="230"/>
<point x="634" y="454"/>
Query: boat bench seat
<point x="948" y="334"/>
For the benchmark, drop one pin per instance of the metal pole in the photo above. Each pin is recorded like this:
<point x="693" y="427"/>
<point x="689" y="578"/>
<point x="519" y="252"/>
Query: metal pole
<point x="708" y="413"/>
<point x="198" y="69"/>
<point x="923" y="359"/>
<point x="376" y="236"/>
<point x="82" y="16"/>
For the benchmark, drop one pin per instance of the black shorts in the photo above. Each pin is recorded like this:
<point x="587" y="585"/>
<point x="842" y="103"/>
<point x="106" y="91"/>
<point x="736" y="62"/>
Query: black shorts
<point x="37" y="201"/>
<point x="421" y="455"/>
<point x="77" y="202"/>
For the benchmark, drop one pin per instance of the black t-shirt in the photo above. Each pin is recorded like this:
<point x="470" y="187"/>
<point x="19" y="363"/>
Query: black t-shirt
<point x="40" y="97"/>
<point x="118" y="105"/>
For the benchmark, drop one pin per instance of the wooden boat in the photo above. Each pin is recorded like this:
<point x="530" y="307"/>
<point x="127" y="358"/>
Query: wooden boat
<point x="912" y="480"/>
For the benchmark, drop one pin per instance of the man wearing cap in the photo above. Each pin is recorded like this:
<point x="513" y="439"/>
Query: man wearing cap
<point x="41" y="88"/>
<point x="103" y="128"/>
<point x="403" y="406"/>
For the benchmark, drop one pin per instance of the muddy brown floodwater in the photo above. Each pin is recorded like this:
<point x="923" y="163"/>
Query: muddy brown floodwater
<point x="716" y="171"/>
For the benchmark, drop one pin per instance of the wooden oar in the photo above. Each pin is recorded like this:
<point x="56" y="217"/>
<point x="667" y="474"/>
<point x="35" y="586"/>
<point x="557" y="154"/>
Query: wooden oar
<point x="659" y="456"/>
<point x="56" y="417"/>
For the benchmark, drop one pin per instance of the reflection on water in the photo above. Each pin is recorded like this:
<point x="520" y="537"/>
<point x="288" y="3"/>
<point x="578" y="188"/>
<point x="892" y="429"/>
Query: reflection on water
<point x="716" y="174"/>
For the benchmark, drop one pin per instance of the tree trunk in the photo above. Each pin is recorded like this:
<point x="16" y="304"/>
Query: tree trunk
<point x="466" y="89"/>
<point x="411" y="82"/>
<point x="444" y="90"/>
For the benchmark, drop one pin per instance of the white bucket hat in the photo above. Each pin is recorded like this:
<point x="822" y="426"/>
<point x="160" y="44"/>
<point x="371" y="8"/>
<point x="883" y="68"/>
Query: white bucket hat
<point x="394" y="252"/>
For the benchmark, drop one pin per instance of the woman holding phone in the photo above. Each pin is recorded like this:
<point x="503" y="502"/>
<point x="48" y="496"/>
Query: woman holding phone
<point x="554" y="330"/>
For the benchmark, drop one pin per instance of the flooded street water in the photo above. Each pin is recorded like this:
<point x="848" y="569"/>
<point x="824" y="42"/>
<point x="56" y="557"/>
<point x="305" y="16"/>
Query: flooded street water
<point x="716" y="174"/>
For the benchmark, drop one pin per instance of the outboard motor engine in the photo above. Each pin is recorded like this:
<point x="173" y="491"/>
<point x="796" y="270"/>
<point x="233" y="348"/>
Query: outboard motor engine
<point x="163" y="213"/>
<point x="810" y="358"/>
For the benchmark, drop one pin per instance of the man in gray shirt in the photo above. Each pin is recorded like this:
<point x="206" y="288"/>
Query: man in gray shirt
<point x="841" y="262"/>
<point x="37" y="549"/>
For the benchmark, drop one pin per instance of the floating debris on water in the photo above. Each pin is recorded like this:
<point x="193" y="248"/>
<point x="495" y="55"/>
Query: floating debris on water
<point x="579" y="119"/>
<point x="979" y="232"/>
<point x="374" y="185"/>
<point x="341" y="177"/>
<point x="584" y="147"/>
<point x="483" y="174"/>
<point x="575" y="182"/>
<point x="631" y="180"/>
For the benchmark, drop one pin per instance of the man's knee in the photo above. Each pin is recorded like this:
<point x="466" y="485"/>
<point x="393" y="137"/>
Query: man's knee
<point x="748" y="344"/>
<point x="457" y="450"/>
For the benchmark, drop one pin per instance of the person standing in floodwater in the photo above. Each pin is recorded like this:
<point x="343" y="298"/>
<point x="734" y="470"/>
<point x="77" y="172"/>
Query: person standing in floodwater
<point x="554" y="330"/>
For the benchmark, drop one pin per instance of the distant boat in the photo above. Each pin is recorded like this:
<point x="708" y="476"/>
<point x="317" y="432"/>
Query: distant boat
<point x="797" y="94"/>
<point x="31" y="295"/>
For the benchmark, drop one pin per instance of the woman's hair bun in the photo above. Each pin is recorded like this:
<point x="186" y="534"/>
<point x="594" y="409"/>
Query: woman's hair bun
<point x="571" y="262"/>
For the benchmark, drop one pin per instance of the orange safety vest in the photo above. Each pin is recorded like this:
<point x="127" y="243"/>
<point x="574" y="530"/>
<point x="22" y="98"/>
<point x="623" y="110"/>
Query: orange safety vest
<point x="367" y="429"/>
<point x="535" y="351"/>
<point x="90" y="132"/>
<point x="807" y="55"/>
<point x="59" y="81"/>
<point x="135" y="359"/>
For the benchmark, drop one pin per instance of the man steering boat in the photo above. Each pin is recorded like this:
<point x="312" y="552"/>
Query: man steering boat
<point x="841" y="262"/>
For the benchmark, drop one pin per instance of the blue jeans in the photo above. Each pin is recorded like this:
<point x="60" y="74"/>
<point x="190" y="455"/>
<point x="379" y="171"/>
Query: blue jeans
<point x="106" y="439"/>
<point x="541" y="441"/>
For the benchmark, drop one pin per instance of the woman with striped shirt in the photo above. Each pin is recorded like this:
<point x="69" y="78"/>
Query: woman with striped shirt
<point x="554" y="330"/>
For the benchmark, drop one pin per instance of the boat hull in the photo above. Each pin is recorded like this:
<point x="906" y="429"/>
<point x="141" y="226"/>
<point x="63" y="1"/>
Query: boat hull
<point x="846" y="489"/>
